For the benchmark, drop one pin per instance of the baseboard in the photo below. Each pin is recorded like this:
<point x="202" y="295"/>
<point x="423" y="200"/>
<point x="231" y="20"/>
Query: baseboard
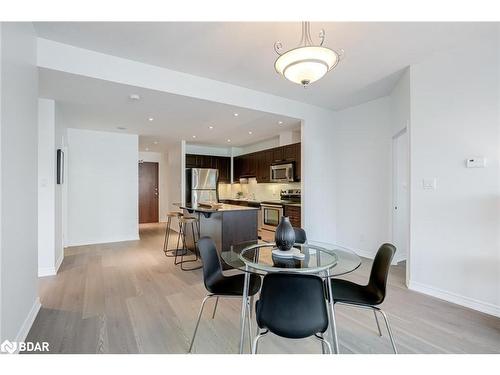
<point x="28" y="322"/>
<point x="50" y="271"/>
<point x="471" y="303"/>
<point x="97" y="242"/>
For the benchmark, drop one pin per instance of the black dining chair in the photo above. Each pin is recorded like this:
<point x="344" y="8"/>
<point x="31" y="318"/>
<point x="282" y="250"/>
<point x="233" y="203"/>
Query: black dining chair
<point x="292" y="306"/>
<point x="371" y="295"/>
<point x="300" y="235"/>
<point x="220" y="286"/>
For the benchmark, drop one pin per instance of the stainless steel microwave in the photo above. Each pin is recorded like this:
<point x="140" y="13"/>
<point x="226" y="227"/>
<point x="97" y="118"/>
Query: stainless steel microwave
<point x="282" y="172"/>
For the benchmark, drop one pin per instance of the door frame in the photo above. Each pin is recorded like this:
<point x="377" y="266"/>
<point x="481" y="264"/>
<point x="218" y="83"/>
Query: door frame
<point x="403" y="131"/>
<point x="157" y="184"/>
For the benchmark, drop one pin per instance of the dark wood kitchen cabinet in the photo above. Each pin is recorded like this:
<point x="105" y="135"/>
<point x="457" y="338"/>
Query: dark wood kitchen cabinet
<point x="293" y="213"/>
<point x="258" y="164"/>
<point x="264" y="160"/>
<point x="221" y="163"/>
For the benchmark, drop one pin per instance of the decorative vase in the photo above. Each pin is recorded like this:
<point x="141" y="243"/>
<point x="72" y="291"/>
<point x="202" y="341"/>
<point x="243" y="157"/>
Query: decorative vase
<point x="285" y="235"/>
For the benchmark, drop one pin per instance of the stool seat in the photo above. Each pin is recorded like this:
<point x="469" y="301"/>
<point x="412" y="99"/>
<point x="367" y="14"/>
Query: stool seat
<point x="188" y="219"/>
<point x="174" y="214"/>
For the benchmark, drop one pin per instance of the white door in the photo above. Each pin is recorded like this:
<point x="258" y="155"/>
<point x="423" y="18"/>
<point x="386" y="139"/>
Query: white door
<point x="400" y="209"/>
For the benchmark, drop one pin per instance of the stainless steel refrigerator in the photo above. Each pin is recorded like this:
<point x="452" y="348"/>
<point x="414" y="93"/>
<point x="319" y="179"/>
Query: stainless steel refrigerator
<point x="201" y="185"/>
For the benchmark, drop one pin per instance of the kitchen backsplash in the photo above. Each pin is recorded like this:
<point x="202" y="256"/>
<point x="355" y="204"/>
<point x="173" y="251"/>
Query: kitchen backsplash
<point x="255" y="191"/>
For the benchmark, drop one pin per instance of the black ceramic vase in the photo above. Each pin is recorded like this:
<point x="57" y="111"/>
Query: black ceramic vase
<point x="285" y="235"/>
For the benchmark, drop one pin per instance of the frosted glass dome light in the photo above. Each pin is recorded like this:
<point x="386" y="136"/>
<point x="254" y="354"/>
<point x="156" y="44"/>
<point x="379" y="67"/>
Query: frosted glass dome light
<point x="306" y="63"/>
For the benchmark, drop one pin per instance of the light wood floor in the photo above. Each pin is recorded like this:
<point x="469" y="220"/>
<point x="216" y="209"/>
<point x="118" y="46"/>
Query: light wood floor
<point x="129" y="298"/>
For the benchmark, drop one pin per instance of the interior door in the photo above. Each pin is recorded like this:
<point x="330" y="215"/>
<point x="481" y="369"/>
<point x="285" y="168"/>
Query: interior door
<point x="148" y="192"/>
<point x="401" y="213"/>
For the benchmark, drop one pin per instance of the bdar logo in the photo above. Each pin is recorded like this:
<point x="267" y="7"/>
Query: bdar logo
<point x="8" y="347"/>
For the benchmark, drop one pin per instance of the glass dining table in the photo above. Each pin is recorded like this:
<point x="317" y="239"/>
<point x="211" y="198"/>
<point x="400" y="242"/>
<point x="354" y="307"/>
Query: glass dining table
<point x="323" y="259"/>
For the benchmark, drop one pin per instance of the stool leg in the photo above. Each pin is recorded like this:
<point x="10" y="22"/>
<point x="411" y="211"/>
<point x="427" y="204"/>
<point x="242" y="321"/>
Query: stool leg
<point x="179" y="237"/>
<point x="195" y="249"/>
<point x="167" y="236"/>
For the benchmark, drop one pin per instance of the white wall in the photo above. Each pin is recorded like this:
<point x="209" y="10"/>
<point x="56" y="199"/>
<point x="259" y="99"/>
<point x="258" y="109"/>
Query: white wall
<point x="46" y="187"/>
<point x="102" y="187"/>
<point x="18" y="156"/>
<point x="61" y="191"/>
<point x="207" y="150"/>
<point x="455" y="229"/>
<point x="161" y="159"/>
<point x="362" y="157"/>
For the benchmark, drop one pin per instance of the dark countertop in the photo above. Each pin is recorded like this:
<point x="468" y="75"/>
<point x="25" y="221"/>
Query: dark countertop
<point x="282" y="202"/>
<point x="225" y="208"/>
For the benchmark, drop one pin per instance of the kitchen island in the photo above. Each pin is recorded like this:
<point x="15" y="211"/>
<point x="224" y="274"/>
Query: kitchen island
<point x="227" y="225"/>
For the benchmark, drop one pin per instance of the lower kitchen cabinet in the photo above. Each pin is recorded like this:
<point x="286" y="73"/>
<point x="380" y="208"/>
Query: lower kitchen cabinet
<point x="293" y="213"/>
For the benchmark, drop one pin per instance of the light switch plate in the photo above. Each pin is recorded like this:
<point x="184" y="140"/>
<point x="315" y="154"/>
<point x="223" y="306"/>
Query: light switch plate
<point x="429" y="183"/>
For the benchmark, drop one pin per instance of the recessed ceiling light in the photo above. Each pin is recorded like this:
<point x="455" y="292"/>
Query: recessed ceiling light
<point x="280" y="122"/>
<point x="121" y="128"/>
<point x="151" y="119"/>
<point x="194" y="136"/>
<point x="250" y="132"/>
<point x="147" y="148"/>
<point x="236" y="115"/>
<point x="229" y="140"/>
<point x="134" y="97"/>
<point x="210" y="127"/>
<point x="155" y="142"/>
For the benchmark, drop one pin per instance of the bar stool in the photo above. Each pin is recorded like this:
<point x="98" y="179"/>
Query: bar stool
<point x="184" y="222"/>
<point x="171" y="252"/>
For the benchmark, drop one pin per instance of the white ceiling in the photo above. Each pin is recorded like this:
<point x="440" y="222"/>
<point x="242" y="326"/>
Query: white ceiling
<point x="102" y="105"/>
<point x="242" y="53"/>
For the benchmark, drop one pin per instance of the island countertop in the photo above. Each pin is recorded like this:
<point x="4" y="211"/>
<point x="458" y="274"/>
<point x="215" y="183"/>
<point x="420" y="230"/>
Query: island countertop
<point x="225" y="208"/>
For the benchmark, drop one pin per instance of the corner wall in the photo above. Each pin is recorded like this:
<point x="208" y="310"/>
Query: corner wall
<point x="455" y="234"/>
<point x="102" y="187"/>
<point x="18" y="157"/>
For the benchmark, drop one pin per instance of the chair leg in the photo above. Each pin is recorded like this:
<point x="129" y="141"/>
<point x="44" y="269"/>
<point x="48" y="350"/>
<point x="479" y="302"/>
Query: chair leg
<point x="249" y="321"/>
<point x="215" y="306"/>
<point x="198" y="321"/>
<point x="390" y="331"/>
<point x="378" y="324"/>
<point x="324" y="343"/>
<point x="256" y="341"/>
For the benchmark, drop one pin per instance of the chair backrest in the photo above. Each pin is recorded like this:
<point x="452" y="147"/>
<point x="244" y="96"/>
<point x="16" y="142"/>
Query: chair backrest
<point x="212" y="268"/>
<point x="292" y="305"/>
<point x="300" y="235"/>
<point x="380" y="268"/>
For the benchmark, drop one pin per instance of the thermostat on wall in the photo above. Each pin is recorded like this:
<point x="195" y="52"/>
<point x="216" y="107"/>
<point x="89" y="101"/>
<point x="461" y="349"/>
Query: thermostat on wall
<point x="476" y="162"/>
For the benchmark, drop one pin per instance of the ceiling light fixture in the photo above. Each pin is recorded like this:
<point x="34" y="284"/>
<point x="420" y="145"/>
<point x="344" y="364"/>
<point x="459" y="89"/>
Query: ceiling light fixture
<point x="147" y="148"/>
<point x="155" y="142"/>
<point x="210" y="127"/>
<point x="194" y="136"/>
<point x="134" y="97"/>
<point x="280" y="122"/>
<point x="151" y="119"/>
<point x="250" y="133"/>
<point x="306" y="63"/>
<point x="229" y="140"/>
<point x="236" y="115"/>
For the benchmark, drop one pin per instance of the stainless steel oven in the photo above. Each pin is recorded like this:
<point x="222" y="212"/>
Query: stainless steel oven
<point x="271" y="215"/>
<point x="282" y="172"/>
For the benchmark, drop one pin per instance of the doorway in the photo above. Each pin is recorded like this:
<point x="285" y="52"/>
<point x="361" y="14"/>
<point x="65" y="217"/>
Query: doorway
<point x="401" y="196"/>
<point x="148" y="192"/>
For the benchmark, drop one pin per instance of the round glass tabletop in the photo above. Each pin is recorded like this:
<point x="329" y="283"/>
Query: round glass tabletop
<point x="312" y="257"/>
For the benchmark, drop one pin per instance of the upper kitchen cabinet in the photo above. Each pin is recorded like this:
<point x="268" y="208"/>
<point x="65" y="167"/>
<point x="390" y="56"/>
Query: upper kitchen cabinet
<point x="245" y="166"/>
<point x="221" y="163"/>
<point x="264" y="160"/>
<point x="258" y="164"/>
